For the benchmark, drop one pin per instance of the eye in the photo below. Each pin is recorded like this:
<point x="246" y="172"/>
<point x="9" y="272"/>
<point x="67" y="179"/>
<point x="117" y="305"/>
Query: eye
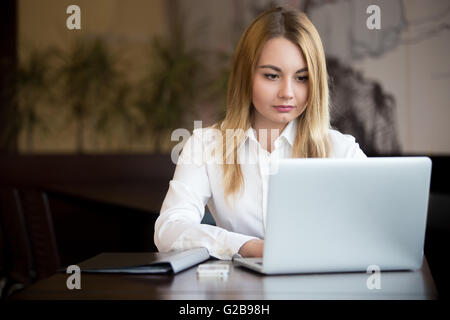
<point x="302" y="78"/>
<point x="271" y="76"/>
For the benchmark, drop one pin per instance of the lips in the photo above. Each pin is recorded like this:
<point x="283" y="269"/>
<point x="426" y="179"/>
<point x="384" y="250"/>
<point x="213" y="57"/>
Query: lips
<point x="284" y="108"/>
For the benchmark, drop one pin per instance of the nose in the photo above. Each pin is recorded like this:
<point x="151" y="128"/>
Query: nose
<point x="286" y="92"/>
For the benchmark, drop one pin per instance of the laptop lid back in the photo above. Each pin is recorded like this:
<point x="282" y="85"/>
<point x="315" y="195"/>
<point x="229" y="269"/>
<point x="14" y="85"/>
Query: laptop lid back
<point x="339" y="215"/>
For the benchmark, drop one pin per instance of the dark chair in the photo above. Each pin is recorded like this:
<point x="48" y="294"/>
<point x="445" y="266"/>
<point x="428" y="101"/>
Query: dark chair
<point x="30" y="249"/>
<point x="3" y="274"/>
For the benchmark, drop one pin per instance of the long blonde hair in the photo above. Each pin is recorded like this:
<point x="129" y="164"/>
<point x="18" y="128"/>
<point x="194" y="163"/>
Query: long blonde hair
<point x="312" y="131"/>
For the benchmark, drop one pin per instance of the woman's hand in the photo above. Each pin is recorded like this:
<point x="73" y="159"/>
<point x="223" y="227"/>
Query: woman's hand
<point x="252" y="249"/>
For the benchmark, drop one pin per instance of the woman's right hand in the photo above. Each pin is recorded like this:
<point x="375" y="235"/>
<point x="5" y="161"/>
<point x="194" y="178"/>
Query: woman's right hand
<point x="252" y="249"/>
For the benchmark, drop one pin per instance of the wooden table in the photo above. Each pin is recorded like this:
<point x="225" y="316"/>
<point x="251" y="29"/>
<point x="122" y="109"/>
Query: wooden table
<point x="241" y="284"/>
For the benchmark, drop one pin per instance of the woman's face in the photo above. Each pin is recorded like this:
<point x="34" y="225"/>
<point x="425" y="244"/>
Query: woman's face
<point x="280" y="84"/>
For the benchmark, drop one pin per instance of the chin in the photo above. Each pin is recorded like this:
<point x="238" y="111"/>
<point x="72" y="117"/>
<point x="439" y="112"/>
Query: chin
<point x="284" y="119"/>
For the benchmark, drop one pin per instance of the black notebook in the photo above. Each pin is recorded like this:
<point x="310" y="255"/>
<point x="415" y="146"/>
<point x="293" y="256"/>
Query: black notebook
<point x="144" y="262"/>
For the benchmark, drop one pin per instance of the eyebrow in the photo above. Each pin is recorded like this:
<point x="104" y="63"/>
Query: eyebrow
<point x="279" y="70"/>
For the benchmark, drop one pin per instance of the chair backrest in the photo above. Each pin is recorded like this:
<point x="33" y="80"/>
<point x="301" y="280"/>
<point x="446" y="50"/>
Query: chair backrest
<point x="18" y="255"/>
<point x="41" y="233"/>
<point x="30" y="246"/>
<point x="3" y="271"/>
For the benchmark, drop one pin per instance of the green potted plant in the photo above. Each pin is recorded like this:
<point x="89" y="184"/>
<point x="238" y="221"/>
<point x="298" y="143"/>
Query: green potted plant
<point x="33" y="89"/>
<point x="170" y="90"/>
<point x="89" y="78"/>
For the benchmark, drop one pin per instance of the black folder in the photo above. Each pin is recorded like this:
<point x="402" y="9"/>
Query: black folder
<point x="144" y="262"/>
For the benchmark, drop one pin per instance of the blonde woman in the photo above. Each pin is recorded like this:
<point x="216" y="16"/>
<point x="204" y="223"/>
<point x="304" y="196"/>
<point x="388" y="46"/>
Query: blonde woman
<point x="277" y="107"/>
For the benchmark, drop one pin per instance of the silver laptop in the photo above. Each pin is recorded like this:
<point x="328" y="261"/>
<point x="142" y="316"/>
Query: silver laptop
<point x="344" y="215"/>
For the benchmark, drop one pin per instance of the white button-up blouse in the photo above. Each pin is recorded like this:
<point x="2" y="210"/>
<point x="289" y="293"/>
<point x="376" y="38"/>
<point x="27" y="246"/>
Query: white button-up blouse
<point x="198" y="182"/>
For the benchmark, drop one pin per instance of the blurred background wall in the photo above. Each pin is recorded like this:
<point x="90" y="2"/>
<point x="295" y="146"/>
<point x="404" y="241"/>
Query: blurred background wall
<point x="391" y="85"/>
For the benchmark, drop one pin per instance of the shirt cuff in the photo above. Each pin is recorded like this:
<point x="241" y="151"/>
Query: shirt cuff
<point x="229" y="245"/>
